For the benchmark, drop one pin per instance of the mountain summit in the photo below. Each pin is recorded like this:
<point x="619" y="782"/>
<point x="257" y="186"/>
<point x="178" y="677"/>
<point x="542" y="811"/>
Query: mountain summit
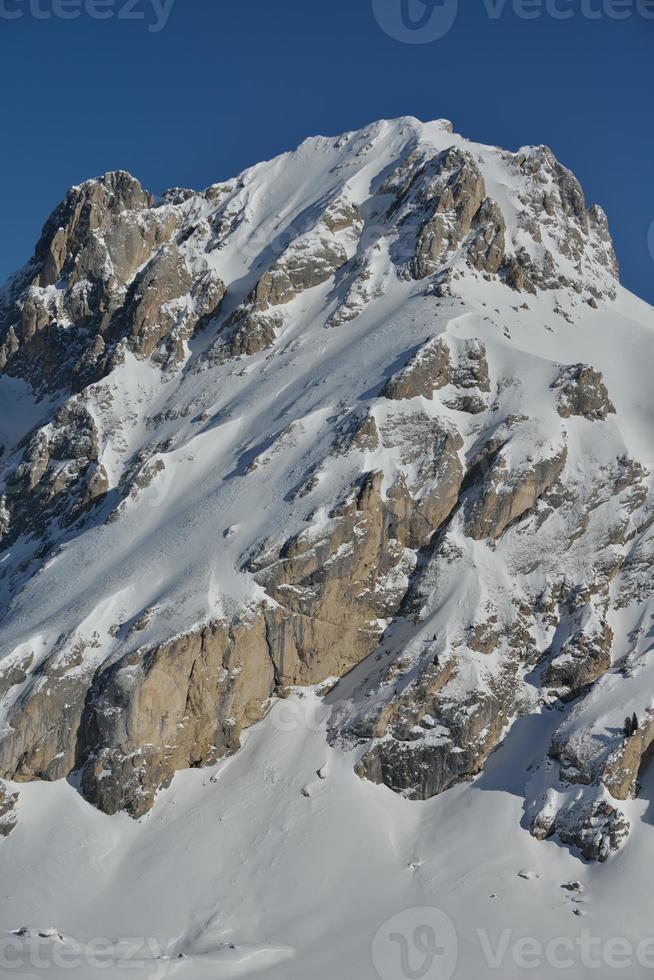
<point x="368" y="426"/>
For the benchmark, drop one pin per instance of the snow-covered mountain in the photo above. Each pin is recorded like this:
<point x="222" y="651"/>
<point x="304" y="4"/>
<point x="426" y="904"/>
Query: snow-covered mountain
<point x="327" y="481"/>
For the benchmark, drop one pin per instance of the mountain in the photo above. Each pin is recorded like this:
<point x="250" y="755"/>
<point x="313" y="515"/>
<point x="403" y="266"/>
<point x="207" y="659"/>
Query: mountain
<point x="327" y="481"/>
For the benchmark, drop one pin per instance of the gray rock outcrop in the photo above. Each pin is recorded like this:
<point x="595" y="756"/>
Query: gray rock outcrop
<point x="428" y="370"/>
<point x="507" y="493"/>
<point x="8" y="817"/>
<point x="581" y="391"/>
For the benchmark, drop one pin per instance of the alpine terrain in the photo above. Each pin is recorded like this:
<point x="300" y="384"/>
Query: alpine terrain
<point x="326" y="568"/>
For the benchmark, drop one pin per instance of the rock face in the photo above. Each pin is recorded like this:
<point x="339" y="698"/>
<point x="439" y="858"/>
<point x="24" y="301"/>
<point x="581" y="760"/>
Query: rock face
<point x="455" y="192"/>
<point x="178" y="706"/>
<point x="338" y="582"/>
<point x="444" y="199"/>
<point x="107" y="276"/>
<point x="428" y="370"/>
<point x="595" y="828"/>
<point x="7" y="814"/>
<point x="582" y="392"/>
<point x="44" y="714"/>
<point x="427" y="742"/>
<point x="157" y="314"/>
<point x="624" y="765"/>
<point x="60" y="474"/>
<point x="509" y="491"/>
<point x="309" y="260"/>
<point x="586" y="653"/>
<point x="558" y="192"/>
<point x="438" y="364"/>
<point x="309" y="425"/>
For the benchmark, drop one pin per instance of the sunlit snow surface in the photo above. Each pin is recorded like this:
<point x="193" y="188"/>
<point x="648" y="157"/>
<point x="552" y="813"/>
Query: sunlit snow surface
<point x="261" y="867"/>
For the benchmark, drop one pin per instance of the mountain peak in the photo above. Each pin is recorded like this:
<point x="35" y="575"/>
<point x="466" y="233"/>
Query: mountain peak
<point x="439" y="205"/>
<point x="354" y="414"/>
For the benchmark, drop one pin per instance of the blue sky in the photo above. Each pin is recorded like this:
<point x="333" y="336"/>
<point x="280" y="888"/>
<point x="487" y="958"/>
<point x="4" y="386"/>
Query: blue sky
<point x="227" y="83"/>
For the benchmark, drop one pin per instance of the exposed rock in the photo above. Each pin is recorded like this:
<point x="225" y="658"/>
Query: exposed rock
<point x="13" y="674"/>
<point x="595" y="827"/>
<point x="309" y="260"/>
<point x="59" y="476"/>
<point x="91" y="248"/>
<point x="367" y="283"/>
<point x="440" y="363"/>
<point x="470" y="377"/>
<point x="312" y="258"/>
<point x="177" y="706"/>
<point x="510" y="491"/>
<point x="554" y="201"/>
<point x="623" y="766"/>
<point x="431" y="475"/>
<point x="452" y="189"/>
<point x="472" y="403"/>
<point x="157" y="307"/>
<point x="8" y="817"/>
<point x="471" y="366"/>
<point x="358" y="432"/>
<point x="336" y="583"/>
<point x="455" y="741"/>
<point x="306" y="264"/>
<point x="247" y="333"/>
<point x="487" y="247"/>
<point x="375" y="510"/>
<point x="44" y="720"/>
<point x="483" y="637"/>
<point x="582" y="392"/>
<point x="518" y="272"/>
<point x="341" y="215"/>
<point x="427" y="370"/>
<point x="88" y="209"/>
<point x="584" y="657"/>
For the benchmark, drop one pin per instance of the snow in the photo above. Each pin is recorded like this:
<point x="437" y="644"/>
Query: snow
<point x="242" y="874"/>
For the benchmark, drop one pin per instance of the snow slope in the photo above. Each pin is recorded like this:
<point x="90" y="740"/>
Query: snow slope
<point x="238" y="857"/>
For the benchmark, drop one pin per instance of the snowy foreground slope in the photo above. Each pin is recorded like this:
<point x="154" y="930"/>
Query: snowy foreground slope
<point x="325" y="577"/>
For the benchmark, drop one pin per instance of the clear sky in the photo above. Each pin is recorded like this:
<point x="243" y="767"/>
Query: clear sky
<point x="226" y="83"/>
